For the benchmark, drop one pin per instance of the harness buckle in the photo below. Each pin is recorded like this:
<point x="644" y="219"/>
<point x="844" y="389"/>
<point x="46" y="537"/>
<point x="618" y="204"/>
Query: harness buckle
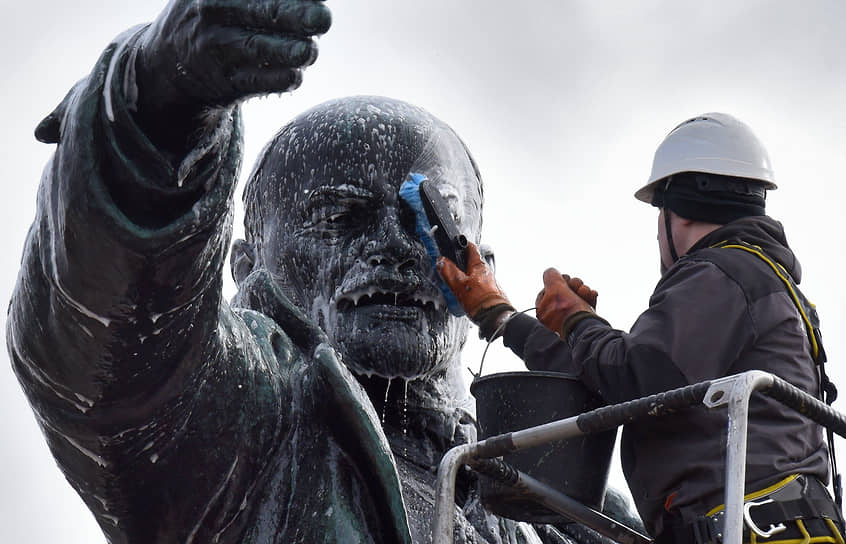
<point x="747" y="516"/>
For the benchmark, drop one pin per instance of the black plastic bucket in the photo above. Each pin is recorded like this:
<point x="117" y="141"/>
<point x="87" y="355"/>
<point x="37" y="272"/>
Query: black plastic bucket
<point x="577" y="467"/>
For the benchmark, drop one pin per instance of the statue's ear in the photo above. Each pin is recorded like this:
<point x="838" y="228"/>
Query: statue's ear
<point x="242" y="260"/>
<point x="487" y="254"/>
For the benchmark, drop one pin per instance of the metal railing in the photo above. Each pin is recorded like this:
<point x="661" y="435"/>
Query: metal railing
<point x="733" y="392"/>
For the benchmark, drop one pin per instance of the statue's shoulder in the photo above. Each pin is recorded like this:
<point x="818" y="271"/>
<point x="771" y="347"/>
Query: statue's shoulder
<point x="269" y="314"/>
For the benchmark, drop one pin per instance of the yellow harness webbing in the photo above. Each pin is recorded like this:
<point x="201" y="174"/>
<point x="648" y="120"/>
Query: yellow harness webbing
<point x="788" y="283"/>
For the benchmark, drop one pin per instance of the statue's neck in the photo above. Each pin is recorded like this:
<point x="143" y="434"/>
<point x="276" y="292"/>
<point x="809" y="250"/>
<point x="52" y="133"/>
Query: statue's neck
<point x="431" y="412"/>
<point x="443" y="390"/>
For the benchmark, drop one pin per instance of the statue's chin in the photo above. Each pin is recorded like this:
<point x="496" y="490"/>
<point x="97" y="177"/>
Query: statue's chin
<point x="392" y="356"/>
<point x="380" y="344"/>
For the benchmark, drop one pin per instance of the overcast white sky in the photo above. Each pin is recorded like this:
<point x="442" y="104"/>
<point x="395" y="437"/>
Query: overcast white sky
<point x="562" y="103"/>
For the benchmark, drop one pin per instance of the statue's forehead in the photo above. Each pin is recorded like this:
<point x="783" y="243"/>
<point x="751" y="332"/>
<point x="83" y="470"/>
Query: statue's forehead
<point x="361" y="128"/>
<point x="368" y="145"/>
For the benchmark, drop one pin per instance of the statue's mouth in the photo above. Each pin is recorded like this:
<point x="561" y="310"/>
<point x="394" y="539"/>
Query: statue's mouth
<point x="394" y="305"/>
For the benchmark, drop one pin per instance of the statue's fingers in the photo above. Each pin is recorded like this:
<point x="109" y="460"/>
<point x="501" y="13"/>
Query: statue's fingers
<point x="253" y="83"/>
<point x="255" y="64"/>
<point x="239" y="48"/>
<point x="302" y="18"/>
<point x="257" y="82"/>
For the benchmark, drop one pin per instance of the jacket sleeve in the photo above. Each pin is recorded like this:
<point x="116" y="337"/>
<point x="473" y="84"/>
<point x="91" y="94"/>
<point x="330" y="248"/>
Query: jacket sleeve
<point x="697" y="324"/>
<point x="537" y="346"/>
<point x="117" y="332"/>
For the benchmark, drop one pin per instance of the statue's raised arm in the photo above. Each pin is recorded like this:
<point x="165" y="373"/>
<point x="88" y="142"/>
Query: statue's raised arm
<point x="164" y="407"/>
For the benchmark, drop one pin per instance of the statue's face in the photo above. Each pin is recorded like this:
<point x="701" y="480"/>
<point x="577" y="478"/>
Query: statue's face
<point x="343" y="245"/>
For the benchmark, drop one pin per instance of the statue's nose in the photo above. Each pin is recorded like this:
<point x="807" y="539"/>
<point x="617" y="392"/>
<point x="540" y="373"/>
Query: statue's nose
<point x="392" y="246"/>
<point x="402" y="265"/>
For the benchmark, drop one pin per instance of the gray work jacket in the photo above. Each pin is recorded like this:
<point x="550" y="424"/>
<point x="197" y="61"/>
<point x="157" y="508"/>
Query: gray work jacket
<point x="714" y="313"/>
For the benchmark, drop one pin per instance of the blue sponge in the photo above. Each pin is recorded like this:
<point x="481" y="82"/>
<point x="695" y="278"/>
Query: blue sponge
<point x="410" y="192"/>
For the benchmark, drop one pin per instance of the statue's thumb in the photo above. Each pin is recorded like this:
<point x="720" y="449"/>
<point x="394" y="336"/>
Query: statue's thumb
<point x="49" y="130"/>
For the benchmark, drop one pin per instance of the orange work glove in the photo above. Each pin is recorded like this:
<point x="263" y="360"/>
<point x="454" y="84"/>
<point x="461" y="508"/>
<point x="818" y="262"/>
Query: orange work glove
<point x="477" y="290"/>
<point x="563" y="302"/>
<point x="585" y="293"/>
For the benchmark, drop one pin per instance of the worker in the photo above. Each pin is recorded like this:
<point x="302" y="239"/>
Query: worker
<point x="723" y="305"/>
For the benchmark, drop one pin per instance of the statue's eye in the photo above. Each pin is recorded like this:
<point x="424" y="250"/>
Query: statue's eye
<point x="332" y="220"/>
<point x="324" y="215"/>
<point x="333" y="212"/>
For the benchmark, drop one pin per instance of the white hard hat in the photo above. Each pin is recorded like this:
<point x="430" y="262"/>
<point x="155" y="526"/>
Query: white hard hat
<point x="713" y="143"/>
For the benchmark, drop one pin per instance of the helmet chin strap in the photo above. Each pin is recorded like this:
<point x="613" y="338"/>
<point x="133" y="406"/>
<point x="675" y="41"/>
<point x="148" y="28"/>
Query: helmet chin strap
<point x="673" y="255"/>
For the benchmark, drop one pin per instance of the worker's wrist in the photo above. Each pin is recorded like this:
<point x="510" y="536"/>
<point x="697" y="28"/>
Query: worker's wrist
<point x="490" y="320"/>
<point x="576" y="318"/>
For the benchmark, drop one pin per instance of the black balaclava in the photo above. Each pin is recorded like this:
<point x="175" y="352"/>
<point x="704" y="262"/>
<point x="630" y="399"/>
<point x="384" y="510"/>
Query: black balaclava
<point x="710" y="198"/>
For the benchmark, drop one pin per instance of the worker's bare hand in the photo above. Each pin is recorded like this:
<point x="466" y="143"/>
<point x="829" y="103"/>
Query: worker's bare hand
<point x="212" y="53"/>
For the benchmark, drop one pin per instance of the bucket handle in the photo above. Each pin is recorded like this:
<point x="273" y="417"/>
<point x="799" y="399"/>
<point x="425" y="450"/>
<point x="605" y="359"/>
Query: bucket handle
<point x="493" y="337"/>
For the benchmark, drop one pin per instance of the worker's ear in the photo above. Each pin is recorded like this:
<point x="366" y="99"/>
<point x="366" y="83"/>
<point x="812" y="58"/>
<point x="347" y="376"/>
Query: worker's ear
<point x="487" y="254"/>
<point x="242" y="260"/>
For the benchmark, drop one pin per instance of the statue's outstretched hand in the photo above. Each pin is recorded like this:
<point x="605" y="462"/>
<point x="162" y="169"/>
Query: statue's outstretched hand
<point x="201" y="54"/>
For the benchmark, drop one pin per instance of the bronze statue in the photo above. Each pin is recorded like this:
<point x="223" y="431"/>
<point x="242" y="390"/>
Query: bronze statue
<point x="313" y="408"/>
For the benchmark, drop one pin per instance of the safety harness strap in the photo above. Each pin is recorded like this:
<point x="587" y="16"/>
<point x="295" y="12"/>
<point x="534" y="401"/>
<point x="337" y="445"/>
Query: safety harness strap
<point x="810" y="319"/>
<point x="806" y="309"/>
<point x="771" y="513"/>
